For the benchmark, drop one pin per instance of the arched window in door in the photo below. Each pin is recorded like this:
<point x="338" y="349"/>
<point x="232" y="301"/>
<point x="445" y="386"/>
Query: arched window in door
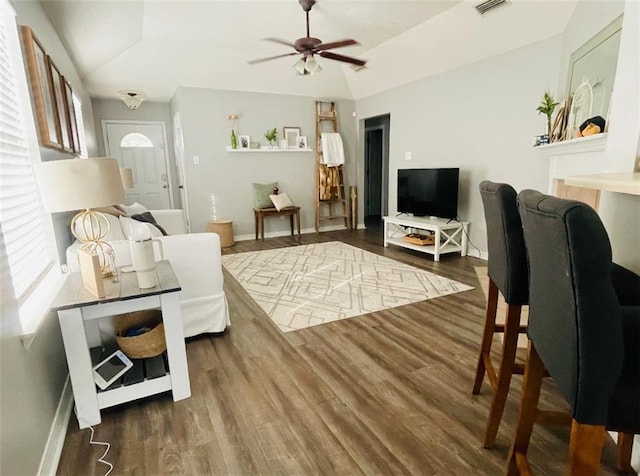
<point x="135" y="139"/>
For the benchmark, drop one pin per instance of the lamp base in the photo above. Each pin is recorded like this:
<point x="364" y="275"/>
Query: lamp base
<point x="90" y="227"/>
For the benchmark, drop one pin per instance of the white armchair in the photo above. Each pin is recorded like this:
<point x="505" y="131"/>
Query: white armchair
<point x="195" y="259"/>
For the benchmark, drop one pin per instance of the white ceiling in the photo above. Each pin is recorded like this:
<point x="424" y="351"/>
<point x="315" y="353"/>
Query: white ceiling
<point x="155" y="46"/>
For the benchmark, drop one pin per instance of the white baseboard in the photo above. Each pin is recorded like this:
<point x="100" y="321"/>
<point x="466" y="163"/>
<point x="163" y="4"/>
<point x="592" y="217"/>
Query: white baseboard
<point x="57" y="434"/>
<point x="484" y="255"/>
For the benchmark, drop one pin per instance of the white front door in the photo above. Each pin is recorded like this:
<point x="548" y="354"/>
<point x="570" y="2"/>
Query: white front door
<point x="140" y="146"/>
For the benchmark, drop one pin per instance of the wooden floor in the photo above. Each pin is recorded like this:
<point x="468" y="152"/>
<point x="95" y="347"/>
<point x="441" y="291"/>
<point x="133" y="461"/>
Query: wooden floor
<point x="384" y="393"/>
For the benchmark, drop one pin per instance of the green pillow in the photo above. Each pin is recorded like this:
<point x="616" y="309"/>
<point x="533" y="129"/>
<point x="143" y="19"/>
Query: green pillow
<point x="262" y="192"/>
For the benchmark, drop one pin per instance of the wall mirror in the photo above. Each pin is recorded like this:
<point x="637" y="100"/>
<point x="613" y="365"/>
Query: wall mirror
<point x="591" y="74"/>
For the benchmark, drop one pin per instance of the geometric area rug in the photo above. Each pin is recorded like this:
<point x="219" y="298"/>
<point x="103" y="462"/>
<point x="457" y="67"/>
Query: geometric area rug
<point x="308" y="285"/>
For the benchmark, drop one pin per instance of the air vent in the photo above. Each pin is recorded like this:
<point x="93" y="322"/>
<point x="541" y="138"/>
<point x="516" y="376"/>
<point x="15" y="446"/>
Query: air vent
<point x="484" y="7"/>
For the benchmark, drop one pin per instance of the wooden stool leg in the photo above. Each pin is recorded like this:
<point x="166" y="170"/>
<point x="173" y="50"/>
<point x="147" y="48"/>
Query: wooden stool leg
<point x="487" y="336"/>
<point x="625" y="445"/>
<point x="261" y="226"/>
<point x="585" y="448"/>
<point x="255" y="221"/>
<point x="291" y="222"/>
<point x="507" y="360"/>
<point x="298" y="220"/>
<point x="533" y="374"/>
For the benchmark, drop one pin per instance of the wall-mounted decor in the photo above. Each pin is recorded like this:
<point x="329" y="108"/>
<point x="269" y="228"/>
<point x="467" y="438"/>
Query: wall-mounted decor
<point x="302" y="142"/>
<point x="71" y="115"/>
<point x="60" y="98"/>
<point x="52" y="98"/>
<point x="592" y="71"/>
<point x="244" y="142"/>
<point x="291" y="135"/>
<point x="42" y="91"/>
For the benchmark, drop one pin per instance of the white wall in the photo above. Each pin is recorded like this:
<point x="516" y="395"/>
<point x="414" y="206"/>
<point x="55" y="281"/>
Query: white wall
<point x="480" y="118"/>
<point x="31" y="380"/>
<point x="231" y="175"/>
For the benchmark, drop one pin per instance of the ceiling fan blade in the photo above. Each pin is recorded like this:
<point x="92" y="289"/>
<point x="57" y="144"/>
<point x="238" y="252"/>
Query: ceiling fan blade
<point x="346" y="59"/>
<point x="282" y="42"/>
<point x="335" y="44"/>
<point x="262" y="60"/>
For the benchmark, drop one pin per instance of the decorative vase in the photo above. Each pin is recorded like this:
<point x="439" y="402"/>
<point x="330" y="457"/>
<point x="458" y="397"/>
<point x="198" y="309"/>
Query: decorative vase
<point x="234" y="139"/>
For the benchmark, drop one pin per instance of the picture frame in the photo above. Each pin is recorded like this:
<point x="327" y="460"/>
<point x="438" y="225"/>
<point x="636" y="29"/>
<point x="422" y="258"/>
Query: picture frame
<point x="43" y="95"/>
<point x="244" y="142"/>
<point x="71" y="114"/>
<point x="291" y="135"/>
<point x="302" y="142"/>
<point x="60" y="99"/>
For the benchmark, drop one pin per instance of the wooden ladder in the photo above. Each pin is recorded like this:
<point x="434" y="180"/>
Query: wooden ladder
<point x="329" y="190"/>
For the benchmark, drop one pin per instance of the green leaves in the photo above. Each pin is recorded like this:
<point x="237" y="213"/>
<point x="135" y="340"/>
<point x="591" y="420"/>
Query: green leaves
<point x="547" y="105"/>
<point x="271" y="134"/>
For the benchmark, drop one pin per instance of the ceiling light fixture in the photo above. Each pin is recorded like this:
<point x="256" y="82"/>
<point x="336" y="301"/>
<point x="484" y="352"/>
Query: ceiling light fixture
<point x="307" y="64"/>
<point x="132" y="99"/>
<point x="312" y="65"/>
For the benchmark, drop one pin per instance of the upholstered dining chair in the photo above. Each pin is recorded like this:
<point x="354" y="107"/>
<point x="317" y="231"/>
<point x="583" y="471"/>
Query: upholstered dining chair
<point x="508" y="275"/>
<point x="578" y="331"/>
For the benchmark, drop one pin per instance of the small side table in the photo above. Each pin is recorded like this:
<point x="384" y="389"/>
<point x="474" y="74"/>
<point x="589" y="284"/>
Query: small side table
<point x="78" y="311"/>
<point x="260" y="213"/>
<point x="224" y="229"/>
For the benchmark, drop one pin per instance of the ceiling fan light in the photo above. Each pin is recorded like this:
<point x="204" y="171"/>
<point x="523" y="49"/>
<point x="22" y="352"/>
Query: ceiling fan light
<point x="299" y="66"/>
<point x="312" y="65"/>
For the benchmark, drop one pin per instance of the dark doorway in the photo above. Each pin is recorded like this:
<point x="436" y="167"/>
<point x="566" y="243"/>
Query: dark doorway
<point x="376" y="169"/>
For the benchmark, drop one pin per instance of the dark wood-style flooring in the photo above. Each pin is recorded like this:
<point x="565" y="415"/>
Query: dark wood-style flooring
<point x="379" y="394"/>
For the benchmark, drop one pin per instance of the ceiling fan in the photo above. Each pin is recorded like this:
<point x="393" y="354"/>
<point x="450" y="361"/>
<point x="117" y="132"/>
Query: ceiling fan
<point x="309" y="46"/>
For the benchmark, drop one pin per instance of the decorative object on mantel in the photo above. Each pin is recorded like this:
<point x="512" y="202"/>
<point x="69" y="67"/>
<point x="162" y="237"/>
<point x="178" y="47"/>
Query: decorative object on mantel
<point x="559" y="129"/>
<point x="272" y="136"/>
<point x="593" y="125"/>
<point x="234" y="139"/>
<point x="546" y="107"/>
<point x="580" y="108"/>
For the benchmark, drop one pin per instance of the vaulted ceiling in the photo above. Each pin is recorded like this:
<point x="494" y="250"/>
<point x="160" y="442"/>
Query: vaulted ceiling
<point x="155" y="46"/>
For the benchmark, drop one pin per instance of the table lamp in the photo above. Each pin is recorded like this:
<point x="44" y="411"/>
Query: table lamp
<point x="84" y="184"/>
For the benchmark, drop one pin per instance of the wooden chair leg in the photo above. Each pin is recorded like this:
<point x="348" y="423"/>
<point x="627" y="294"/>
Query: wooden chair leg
<point x="585" y="448"/>
<point x="533" y="374"/>
<point x="487" y="336"/>
<point x="625" y="444"/>
<point x="507" y="361"/>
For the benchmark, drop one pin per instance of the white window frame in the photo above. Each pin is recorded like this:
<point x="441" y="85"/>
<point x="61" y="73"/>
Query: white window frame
<point x="35" y="306"/>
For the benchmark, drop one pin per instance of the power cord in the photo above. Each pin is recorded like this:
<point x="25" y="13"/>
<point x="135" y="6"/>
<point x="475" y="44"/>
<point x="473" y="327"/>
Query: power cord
<point x="468" y="237"/>
<point x="99" y="443"/>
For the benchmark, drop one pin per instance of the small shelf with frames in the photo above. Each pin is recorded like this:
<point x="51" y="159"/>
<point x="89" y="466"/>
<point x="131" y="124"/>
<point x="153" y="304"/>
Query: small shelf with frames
<point x="267" y="150"/>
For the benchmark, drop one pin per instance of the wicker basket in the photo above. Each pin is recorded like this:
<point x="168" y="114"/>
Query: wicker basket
<point x="145" y="345"/>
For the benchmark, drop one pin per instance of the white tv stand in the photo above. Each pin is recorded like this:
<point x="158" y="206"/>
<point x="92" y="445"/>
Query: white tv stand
<point x="450" y="236"/>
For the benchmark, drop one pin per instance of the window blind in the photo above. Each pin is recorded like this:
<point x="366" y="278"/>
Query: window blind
<point x="21" y="213"/>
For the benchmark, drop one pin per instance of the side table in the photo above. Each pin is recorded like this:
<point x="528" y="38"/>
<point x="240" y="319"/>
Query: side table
<point x="224" y="229"/>
<point x="78" y="312"/>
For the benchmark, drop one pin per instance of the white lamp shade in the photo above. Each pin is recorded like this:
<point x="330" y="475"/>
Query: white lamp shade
<point x="76" y="184"/>
<point x="127" y="177"/>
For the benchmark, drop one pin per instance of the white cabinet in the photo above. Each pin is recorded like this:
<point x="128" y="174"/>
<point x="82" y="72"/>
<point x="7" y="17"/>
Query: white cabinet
<point x="450" y="236"/>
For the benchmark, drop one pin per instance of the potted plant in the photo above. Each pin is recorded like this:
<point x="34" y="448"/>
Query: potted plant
<point x="271" y="135"/>
<point x="546" y="107"/>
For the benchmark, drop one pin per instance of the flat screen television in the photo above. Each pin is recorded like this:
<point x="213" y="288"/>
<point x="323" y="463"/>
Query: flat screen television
<point x="428" y="192"/>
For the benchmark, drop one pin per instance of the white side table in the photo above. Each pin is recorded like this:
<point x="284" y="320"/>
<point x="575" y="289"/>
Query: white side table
<point x="78" y="311"/>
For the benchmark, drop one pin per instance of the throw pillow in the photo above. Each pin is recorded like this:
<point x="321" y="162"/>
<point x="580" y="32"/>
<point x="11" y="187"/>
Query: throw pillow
<point x="281" y="201"/>
<point x="128" y="224"/>
<point x="133" y="209"/>
<point x="147" y="217"/>
<point x="262" y="192"/>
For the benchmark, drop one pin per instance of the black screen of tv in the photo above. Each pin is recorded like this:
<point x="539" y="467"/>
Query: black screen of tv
<point x="428" y="192"/>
